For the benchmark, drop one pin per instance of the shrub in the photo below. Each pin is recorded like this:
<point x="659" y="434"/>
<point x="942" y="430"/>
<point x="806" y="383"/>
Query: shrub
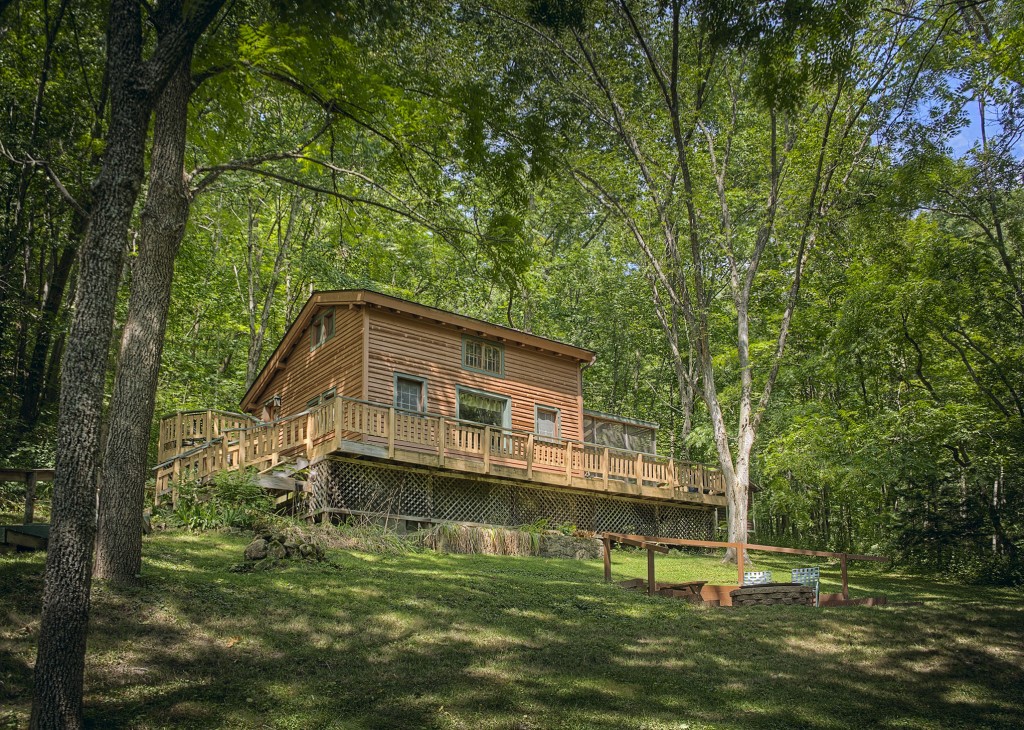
<point x="229" y="499"/>
<point x="987" y="570"/>
<point x="470" y="540"/>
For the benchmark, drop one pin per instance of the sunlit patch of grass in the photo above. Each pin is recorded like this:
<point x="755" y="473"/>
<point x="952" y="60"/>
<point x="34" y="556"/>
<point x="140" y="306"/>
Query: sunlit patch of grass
<point x="374" y="640"/>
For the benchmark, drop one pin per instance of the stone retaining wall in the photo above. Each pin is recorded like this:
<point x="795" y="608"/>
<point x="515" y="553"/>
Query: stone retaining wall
<point x="773" y="595"/>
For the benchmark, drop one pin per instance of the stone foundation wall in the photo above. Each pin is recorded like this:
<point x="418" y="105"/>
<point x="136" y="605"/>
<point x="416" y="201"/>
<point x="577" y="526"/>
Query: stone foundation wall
<point x="367" y="488"/>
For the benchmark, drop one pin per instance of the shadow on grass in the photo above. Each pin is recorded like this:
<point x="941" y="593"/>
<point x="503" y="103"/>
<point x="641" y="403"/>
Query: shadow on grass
<point x="429" y="640"/>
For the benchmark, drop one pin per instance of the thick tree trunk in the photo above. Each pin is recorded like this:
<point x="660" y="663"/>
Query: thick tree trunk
<point x="119" y="536"/>
<point x="60" y="662"/>
<point x="60" y="659"/>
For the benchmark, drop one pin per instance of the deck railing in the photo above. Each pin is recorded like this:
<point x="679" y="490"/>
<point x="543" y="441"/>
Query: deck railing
<point x="348" y="424"/>
<point x="184" y="430"/>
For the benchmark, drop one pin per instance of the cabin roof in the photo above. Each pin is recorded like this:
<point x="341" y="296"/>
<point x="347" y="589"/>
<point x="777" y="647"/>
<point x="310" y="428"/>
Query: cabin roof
<point x="365" y="297"/>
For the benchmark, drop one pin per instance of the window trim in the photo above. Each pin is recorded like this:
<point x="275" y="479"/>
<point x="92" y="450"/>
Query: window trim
<point x="483" y="342"/>
<point x="317" y="323"/>
<point x="423" y="391"/>
<point x="327" y="395"/>
<point x="537" y="408"/>
<point x="506" y="419"/>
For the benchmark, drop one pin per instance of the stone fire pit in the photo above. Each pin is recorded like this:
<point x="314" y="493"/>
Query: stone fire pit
<point x="773" y="594"/>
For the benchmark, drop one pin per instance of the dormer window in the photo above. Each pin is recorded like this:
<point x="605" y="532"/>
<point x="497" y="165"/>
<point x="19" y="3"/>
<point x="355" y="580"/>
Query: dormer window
<point x="483" y="357"/>
<point x="322" y="328"/>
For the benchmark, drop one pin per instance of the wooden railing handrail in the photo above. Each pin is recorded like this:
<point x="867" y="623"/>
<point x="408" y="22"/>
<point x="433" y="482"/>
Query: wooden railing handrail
<point x="208" y="447"/>
<point x="216" y="411"/>
<point x="554" y="440"/>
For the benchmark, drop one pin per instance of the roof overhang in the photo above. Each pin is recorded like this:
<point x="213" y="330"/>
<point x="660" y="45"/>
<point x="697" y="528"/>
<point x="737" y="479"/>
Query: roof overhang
<point x="383" y="302"/>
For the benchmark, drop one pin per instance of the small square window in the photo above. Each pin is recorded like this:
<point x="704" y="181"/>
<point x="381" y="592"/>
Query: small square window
<point x="410" y="393"/>
<point x="483" y="356"/>
<point x="547" y="422"/>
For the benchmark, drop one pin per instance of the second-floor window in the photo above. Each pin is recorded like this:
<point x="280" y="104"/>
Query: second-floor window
<point x="410" y="393"/>
<point x="483" y="356"/>
<point x="322" y="328"/>
<point x="547" y="422"/>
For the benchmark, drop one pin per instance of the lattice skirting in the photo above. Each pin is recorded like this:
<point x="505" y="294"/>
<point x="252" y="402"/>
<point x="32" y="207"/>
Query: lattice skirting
<point x="343" y="485"/>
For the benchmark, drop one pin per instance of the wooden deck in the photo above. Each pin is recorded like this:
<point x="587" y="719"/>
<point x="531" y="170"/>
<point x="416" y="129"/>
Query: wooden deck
<point x="195" y="444"/>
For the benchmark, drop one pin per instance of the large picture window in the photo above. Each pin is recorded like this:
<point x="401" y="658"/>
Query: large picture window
<point x="486" y="408"/>
<point x="410" y="393"/>
<point x="483" y="356"/>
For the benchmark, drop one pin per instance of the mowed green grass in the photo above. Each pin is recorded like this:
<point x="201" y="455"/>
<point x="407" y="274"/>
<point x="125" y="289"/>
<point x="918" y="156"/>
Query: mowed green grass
<point x="448" y="641"/>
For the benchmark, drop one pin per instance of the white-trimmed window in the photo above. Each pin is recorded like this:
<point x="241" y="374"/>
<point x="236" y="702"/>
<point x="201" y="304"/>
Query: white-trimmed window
<point x="410" y="393"/>
<point x="322" y="328"/>
<point x="548" y="422"/>
<point x="482" y="356"/>
<point x="487" y="408"/>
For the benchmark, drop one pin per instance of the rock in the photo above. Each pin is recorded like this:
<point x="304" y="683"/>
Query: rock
<point x="291" y="547"/>
<point x="257" y="549"/>
<point x="276" y="551"/>
<point x="307" y="551"/>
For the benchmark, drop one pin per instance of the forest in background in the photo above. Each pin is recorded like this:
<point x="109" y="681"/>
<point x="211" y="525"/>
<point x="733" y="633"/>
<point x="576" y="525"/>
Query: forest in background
<point x="611" y="175"/>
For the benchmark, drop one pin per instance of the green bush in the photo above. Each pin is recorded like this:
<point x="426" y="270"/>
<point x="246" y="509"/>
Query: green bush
<point x="229" y="499"/>
<point x="987" y="570"/>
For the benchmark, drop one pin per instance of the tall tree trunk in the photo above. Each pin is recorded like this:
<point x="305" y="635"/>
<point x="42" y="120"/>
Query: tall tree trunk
<point x="119" y="535"/>
<point x="60" y="659"/>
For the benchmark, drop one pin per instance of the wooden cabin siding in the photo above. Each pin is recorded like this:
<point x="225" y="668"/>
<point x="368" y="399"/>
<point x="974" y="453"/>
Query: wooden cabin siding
<point x="432" y="351"/>
<point x="338" y="363"/>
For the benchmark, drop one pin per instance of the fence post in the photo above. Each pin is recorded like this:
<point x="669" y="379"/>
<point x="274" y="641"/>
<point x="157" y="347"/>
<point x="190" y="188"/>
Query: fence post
<point x="391" y="432"/>
<point x="529" y="456"/>
<point x="179" y="436"/>
<point x="739" y="563"/>
<point x="337" y="419"/>
<point x="442" y="428"/>
<point x="30" y="496"/>
<point x="652" y="586"/>
<point x="846" y="585"/>
<point x="607" y="558"/>
<point x="487" y="449"/>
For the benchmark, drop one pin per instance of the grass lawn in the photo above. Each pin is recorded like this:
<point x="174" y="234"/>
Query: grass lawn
<point x="448" y="641"/>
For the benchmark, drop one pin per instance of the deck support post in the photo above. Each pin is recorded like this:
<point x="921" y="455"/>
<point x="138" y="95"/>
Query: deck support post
<point x="604" y="467"/>
<point x="846" y="585"/>
<point x="30" y="497"/>
<point x="442" y="428"/>
<point x="487" y="449"/>
<point x="607" y="558"/>
<point x="640" y="470"/>
<point x="568" y="463"/>
<point x="391" y="432"/>
<point x="652" y="586"/>
<point x="529" y="456"/>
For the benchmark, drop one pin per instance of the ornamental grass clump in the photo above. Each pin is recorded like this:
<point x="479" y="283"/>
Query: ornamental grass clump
<point x="472" y="540"/>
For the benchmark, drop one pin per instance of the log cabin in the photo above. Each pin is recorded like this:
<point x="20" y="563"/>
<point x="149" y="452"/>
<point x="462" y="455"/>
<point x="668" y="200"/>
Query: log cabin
<point x="380" y="407"/>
